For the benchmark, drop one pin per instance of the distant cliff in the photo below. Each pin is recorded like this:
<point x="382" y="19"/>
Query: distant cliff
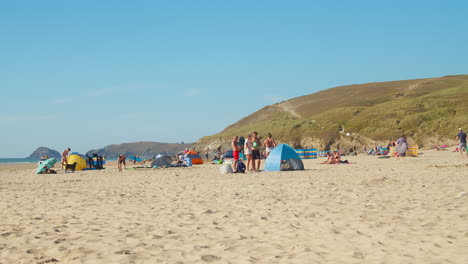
<point x="43" y="151"/>
<point x="144" y="149"/>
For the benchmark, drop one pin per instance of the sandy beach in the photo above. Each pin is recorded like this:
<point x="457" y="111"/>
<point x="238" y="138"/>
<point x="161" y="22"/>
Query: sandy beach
<point x="373" y="211"/>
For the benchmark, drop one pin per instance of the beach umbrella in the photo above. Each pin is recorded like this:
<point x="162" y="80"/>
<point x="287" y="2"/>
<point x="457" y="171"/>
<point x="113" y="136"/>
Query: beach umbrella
<point x="45" y="165"/>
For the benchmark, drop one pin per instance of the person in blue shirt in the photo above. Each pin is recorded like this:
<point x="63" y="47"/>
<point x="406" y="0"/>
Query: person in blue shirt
<point x="462" y="145"/>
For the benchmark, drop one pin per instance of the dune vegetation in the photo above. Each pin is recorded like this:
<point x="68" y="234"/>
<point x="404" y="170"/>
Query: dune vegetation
<point x="428" y="111"/>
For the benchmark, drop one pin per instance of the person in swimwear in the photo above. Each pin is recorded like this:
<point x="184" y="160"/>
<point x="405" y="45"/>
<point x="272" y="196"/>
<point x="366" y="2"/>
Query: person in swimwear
<point x="65" y="156"/>
<point x="330" y="159"/>
<point x="235" y="152"/>
<point x="269" y="145"/>
<point x="121" y="161"/>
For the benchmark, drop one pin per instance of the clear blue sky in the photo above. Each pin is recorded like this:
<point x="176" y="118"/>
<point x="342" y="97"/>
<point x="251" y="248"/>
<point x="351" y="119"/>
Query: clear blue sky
<point x="86" y="74"/>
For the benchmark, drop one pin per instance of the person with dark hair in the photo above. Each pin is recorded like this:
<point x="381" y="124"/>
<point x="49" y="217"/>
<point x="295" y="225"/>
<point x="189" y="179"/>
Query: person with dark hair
<point x="462" y="145"/>
<point x="121" y="161"/>
<point x="256" y="150"/>
<point x="65" y="156"/>
<point x="269" y="145"/>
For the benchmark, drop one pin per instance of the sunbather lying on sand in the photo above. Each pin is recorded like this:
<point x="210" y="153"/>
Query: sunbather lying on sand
<point x="334" y="158"/>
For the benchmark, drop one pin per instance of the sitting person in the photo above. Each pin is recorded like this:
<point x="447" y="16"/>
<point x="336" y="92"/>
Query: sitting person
<point x="330" y="159"/>
<point x="50" y="171"/>
<point x="337" y="158"/>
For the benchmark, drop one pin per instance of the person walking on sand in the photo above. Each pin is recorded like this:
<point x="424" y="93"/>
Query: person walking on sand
<point x="235" y="152"/>
<point x="462" y="145"/>
<point x="401" y="146"/>
<point x="248" y="152"/>
<point x="256" y="150"/>
<point x="269" y="145"/>
<point x="65" y="156"/>
<point x="121" y="161"/>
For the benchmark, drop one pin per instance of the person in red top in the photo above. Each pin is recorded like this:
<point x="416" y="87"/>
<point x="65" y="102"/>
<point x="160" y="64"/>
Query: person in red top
<point x="235" y="152"/>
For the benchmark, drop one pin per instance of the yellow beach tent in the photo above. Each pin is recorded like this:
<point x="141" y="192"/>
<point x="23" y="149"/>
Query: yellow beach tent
<point x="80" y="162"/>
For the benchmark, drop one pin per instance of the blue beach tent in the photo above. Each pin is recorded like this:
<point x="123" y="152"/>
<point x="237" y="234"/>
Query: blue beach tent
<point x="283" y="157"/>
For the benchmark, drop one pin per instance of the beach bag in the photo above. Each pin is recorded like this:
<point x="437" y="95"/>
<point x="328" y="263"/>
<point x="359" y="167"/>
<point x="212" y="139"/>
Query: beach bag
<point x="225" y="169"/>
<point x="240" y="167"/>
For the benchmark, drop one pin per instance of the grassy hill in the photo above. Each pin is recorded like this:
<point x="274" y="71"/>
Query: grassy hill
<point x="429" y="111"/>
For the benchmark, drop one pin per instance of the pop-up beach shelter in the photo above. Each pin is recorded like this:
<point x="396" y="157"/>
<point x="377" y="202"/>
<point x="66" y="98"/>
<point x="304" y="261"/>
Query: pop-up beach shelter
<point x="194" y="157"/>
<point x="161" y="161"/>
<point x="80" y="162"/>
<point x="283" y="157"/>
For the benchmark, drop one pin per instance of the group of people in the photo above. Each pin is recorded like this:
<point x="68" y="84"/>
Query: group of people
<point x="251" y="149"/>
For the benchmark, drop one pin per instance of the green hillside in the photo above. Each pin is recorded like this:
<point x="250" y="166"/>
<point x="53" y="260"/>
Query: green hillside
<point x="429" y="111"/>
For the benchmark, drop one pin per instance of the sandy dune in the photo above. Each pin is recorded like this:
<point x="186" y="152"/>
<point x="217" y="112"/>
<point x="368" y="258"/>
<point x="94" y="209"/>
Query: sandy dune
<point x="373" y="211"/>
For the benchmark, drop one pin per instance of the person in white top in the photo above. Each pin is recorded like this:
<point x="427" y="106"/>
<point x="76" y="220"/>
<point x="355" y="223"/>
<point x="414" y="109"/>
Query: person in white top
<point x="248" y="152"/>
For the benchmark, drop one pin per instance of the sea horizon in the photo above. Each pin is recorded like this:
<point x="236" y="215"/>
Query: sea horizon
<point x="18" y="160"/>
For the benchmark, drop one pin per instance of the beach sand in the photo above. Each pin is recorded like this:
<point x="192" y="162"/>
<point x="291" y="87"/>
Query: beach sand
<point x="374" y="211"/>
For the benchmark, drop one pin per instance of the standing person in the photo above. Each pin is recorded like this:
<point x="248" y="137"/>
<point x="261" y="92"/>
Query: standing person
<point x="207" y="150"/>
<point x="235" y="152"/>
<point x="401" y="146"/>
<point x="248" y="152"/>
<point x="65" y="156"/>
<point x="256" y="150"/>
<point x="269" y="145"/>
<point x="462" y="146"/>
<point x="121" y="161"/>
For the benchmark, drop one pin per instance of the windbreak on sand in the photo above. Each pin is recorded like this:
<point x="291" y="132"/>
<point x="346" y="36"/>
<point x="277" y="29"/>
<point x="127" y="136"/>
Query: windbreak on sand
<point x="282" y="158"/>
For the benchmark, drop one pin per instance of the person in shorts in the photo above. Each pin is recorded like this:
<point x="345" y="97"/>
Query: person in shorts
<point x="256" y="150"/>
<point x="248" y="152"/>
<point x="207" y="151"/>
<point x="235" y="152"/>
<point x="121" y="161"/>
<point x="461" y="136"/>
<point x="269" y="145"/>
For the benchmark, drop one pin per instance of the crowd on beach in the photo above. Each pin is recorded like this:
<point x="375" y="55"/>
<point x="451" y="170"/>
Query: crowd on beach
<point x="255" y="150"/>
<point x="251" y="147"/>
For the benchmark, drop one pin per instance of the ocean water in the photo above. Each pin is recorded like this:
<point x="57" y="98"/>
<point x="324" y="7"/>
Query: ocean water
<point x="18" y="160"/>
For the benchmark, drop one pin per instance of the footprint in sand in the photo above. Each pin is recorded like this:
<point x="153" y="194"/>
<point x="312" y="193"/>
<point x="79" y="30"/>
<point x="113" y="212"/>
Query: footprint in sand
<point x="210" y="258"/>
